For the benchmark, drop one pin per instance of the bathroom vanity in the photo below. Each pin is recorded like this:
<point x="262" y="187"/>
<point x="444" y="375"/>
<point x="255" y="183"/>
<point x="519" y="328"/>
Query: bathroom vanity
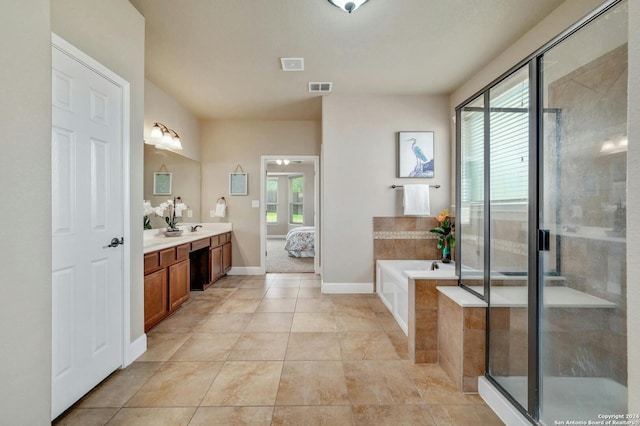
<point x="173" y="266"/>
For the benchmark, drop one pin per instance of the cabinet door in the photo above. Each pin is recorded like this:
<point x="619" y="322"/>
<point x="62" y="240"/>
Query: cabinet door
<point x="216" y="263"/>
<point x="156" y="300"/>
<point x="226" y="257"/>
<point x="178" y="284"/>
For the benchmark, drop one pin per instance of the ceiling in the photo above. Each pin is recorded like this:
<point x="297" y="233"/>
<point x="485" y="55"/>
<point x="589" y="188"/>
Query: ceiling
<point x="221" y="58"/>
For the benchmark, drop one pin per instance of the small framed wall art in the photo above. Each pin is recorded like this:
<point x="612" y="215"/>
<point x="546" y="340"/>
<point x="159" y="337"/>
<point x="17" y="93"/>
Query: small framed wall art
<point x="416" y="154"/>
<point x="162" y="183"/>
<point x="237" y="183"/>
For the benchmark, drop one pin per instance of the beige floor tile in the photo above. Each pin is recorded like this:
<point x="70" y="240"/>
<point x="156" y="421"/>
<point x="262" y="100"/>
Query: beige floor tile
<point x="392" y="415"/>
<point x="205" y="305"/>
<point x="224" y="416"/>
<point x="463" y="415"/>
<point x="177" y="384"/>
<point x="399" y="342"/>
<point x="358" y="321"/>
<point x="313" y="347"/>
<point x="270" y="322"/>
<point x="277" y="283"/>
<point x="260" y="346"/>
<point x="225" y="323"/>
<point x="377" y="305"/>
<point x="388" y="322"/>
<point x="435" y="386"/>
<point x="256" y="283"/>
<point x="312" y="416"/>
<point x="215" y="292"/>
<point x="169" y="416"/>
<point x="289" y="276"/>
<point x="183" y="321"/>
<point x="248" y="293"/>
<point x="277" y="305"/>
<point x="358" y="346"/>
<point x="380" y="383"/>
<point x="239" y="306"/>
<point x="315" y="305"/>
<point x="309" y="293"/>
<point x="310" y="283"/>
<point x="311" y="322"/>
<point x="207" y="347"/>
<point x="282" y="293"/>
<point x="351" y="303"/>
<point x="245" y="383"/>
<point x="162" y="346"/>
<point x="86" y="417"/>
<point x="120" y="386"/>
<point x="312" y="383"/>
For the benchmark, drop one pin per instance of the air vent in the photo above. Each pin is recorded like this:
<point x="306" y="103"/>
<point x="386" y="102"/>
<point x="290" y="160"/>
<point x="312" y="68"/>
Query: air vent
<point x="323" y="87"/>
<point x="292" y="64"/>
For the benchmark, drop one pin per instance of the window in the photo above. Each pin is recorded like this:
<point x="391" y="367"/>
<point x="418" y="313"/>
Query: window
<point x="272" y="200"/>
<point x="296" y="200"/>
<point x="509" y="146"/>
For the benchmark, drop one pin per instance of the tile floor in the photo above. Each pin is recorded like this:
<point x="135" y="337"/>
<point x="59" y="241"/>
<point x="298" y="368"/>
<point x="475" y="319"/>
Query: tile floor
<point x="272" y="350"/>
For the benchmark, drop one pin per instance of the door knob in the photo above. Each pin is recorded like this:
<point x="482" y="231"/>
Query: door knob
<point x="115" y="242"/>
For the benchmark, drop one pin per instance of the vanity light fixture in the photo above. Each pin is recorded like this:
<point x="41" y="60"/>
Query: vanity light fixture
<point x="348" y="5"/>
<point x="164" y="138"/>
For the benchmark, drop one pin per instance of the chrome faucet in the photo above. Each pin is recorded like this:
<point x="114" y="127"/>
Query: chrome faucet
<point x="195" y="228"/>
<point x="434" y="266"/>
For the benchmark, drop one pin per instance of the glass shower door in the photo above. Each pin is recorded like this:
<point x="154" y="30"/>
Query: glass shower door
<point x="583" y="345"/>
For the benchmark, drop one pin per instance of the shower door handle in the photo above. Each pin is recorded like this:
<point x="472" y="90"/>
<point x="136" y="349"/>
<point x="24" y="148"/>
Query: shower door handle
<point x="544" y="240"/>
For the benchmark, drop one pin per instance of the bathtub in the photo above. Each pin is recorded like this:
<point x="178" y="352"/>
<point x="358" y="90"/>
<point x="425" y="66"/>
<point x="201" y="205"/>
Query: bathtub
<point x="392" y="283"/>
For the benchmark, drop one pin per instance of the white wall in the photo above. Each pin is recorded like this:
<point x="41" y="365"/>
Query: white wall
<point x="227" y="143"/>
<point x="633" y="209"/>
<point x="25" y="252"/>
<point x="112" y="32"/>
<point x="359" y="136"/>
<point x="160" y="107"/>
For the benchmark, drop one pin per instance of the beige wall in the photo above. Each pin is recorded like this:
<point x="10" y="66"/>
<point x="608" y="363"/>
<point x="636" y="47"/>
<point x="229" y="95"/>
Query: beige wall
<point x="160" y="107"/>
<point x="227" y="143"/>
<point x="25" y="252"/>
<point x="359" y="166"/>
<point x="113" y="34"/>
<point x="633" y="207"/>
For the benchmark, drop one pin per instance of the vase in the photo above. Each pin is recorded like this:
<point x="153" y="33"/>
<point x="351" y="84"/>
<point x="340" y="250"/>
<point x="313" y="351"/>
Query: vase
<point x="446" y="252"/>
<point x="173" y="232"/>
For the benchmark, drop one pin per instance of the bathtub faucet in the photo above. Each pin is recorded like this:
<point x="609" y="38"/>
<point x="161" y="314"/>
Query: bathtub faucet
<point x="434" y="266"/>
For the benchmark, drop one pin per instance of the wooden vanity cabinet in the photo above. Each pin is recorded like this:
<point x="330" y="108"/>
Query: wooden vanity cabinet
<point x="156" y="298"/>
<point x="168" y="276"/>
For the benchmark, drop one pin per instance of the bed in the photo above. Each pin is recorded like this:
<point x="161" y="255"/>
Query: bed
<point x="301" y="242"/>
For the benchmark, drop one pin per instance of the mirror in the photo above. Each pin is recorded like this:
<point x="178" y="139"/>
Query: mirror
<point x="185" y="182"/>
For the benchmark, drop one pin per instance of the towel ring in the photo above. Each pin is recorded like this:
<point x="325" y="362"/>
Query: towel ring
<point x="221" y="200"/>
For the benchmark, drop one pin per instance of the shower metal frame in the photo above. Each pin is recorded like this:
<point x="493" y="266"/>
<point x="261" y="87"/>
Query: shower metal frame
<point x="535" y="289"/>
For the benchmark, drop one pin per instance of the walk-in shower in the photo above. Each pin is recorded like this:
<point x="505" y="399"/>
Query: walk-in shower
<point x="541" y="207"/>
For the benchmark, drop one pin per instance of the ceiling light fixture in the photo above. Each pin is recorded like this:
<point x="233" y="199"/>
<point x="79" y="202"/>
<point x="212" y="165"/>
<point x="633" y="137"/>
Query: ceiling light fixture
<point x="281" y="162"/>
<point x="348" y="5"/>
<point x="164" y="138"/>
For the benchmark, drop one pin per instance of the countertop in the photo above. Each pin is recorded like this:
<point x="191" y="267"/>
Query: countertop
<point x="154" y="239"/>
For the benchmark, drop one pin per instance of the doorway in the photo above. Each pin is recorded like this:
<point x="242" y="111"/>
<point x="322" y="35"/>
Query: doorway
<point x="289" y="214"/>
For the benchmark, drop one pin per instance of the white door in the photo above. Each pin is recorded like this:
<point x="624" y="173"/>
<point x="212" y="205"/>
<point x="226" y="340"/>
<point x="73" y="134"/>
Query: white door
<point x="87" y="213"/>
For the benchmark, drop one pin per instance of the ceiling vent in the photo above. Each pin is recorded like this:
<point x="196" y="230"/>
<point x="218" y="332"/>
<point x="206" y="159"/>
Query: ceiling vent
<point x="292" y="64"/>
<point x="323" y="87"/>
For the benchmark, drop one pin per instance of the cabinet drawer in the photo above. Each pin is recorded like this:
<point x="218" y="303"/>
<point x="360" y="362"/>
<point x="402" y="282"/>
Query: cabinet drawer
<point x="167" y="256"/>
<point x="215" y="241"/>
<point x="224" y="238"/>
<point x="197" y="245"/>
<point x="151" y="261"/>
<point x="182" y="252"/>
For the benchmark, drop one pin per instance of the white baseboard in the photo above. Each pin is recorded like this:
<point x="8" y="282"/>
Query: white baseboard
<point x="345" y="288"/>
<point x="499" y="404"/>
<point x="248" y="270"/>
<point x="137" y="348"/>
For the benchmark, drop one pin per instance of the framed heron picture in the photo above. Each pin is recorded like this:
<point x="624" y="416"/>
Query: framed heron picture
<point x="415" y="154"/>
